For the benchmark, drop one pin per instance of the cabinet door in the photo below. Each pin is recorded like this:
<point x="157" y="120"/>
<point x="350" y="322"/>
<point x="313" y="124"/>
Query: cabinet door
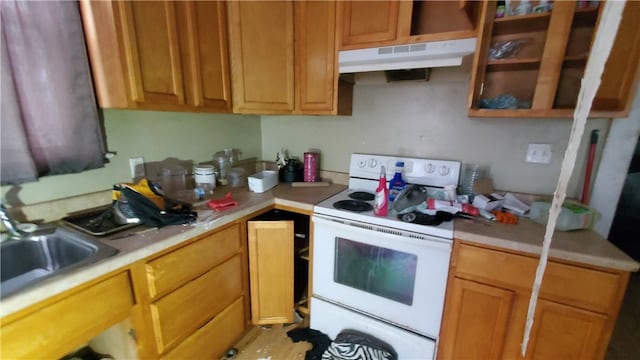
<point x="565" y="332"/>
<point x="271" y="271"/>
<point x="620" y="77"/>
<point x="262" y="56"/>
<point x="370" y="21"/>
<point x="53" y="329"/>
<point x="151" y="50"/>
<point x="316" y="75"/>
<point x="475" y="321"/>
<point x="538" y="61"/>
<point x="203" y="40"/>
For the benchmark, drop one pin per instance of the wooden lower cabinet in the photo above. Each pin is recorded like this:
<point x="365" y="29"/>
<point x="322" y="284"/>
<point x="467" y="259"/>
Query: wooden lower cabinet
<point x="488" y="297"/>
<point x="478" y="320"/>
<point x="215" y="337"/>
<point x="565" y="332"/>
<point x="195" y="297"/>
<point x="271" y="271"/>
<point x="59" y="325"/>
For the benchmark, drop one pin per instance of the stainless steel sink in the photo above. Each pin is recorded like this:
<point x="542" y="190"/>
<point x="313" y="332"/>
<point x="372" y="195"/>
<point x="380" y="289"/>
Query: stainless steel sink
<point x="34" y="257"/>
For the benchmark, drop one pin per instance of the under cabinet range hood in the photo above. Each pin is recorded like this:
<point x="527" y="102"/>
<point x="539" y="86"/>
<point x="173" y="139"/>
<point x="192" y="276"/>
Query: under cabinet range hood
<point x="410" y="56"/>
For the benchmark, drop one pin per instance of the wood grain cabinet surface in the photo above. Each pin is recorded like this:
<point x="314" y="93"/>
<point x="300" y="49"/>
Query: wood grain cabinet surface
<point x="271" y="271"/>
<point x="538" y="60"/>
<point x="158" y="55"/>
<point x="192" y="292"/>
<point x="57" y="326"/>
<point x="488" y="296"/>
<point x="284" y="58"/>
<point x="380" y="23"/>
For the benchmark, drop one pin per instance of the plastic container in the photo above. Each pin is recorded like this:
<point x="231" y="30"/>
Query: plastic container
<point x="573" y="216"/>
<point x="523" y="8"/>
<point x="471" y="173"/>
<point x="501" y="9"/>
<point x="381" y="203"/>
<point x="263" y="181"/>
<point x="237" y="177"/>
<point x="397" y="184"/>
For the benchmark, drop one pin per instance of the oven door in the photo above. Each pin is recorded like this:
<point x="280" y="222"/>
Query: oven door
<point x="399" y="277"/>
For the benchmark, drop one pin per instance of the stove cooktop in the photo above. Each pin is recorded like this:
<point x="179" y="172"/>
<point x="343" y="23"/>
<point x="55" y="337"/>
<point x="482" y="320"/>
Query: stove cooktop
<point x="364" y="170"/>
<point x="326" y="207"/>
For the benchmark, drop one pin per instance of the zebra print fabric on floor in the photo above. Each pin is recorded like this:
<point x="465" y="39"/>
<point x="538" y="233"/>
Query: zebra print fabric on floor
<point x="355" y="345"/>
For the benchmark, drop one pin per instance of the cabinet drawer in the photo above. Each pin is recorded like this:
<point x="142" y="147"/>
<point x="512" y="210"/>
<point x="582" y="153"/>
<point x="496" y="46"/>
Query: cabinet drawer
<point x="57" y="328"/>
<point x="214" y="338"/>
<point x="169" y="271"/>
<point x="587" y="288"/>
<point x="178" y="314"/>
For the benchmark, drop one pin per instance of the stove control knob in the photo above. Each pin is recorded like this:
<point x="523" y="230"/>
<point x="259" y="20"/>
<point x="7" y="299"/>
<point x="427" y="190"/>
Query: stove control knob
<point x="373" y="163"/>
<point x="362" y="163"/>
<point x="430" y="168"/>
<point x="444" y="170"/>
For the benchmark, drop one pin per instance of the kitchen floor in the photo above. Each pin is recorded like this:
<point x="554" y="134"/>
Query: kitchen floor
<point x="624" y="342"/>
<point x="272" y="342"/>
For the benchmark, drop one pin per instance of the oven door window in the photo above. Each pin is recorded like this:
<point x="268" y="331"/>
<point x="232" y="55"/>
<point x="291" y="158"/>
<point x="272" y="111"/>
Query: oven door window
<point x="376" y="270"/>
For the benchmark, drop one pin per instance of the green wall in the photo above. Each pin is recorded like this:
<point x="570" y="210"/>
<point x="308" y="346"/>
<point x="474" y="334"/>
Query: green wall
<point x="154" y="136"/>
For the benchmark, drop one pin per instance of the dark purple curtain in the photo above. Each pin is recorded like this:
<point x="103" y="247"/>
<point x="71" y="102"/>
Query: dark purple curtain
<point x="49" y="116"/>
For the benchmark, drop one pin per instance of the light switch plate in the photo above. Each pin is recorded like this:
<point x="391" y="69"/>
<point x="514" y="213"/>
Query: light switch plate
<point x="539" y="153"/>
<point x="136" y="166"/>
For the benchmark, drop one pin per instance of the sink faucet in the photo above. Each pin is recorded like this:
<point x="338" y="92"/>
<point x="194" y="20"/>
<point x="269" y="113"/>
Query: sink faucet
<point x="9" y="224"/>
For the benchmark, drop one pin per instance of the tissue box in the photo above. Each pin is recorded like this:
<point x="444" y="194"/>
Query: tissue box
<point x="487" y="202"/>
<point x="263" y="181"/>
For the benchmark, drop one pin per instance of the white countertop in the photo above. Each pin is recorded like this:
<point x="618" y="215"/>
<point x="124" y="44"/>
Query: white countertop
<point x="580" y="246"/>
<point x="137" y="247"/>
<point x="577" y="246"/>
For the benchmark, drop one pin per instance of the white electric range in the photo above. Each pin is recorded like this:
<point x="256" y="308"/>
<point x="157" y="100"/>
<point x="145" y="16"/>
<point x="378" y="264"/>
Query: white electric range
<point x="381" y="275"/>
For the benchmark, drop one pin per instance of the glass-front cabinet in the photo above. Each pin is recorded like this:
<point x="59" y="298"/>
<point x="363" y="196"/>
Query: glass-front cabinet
<point x="530" y="60"/>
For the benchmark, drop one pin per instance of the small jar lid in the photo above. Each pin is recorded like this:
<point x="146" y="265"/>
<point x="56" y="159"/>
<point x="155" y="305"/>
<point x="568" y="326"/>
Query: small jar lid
<point x="172" y="170"/>
<point x="204" y="169"/>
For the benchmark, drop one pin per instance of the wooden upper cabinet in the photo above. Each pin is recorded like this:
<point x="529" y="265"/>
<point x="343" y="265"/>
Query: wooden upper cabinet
<point x="315" y="54"/>
<point x="261" y="36"/>
<point x="151" y="51"/>
<point x="532" y="65"/>
<point x="158" y="55"/>
<point x="284" y="57"/>
<point x="370" y="21"/>
<point x="622" y="70"/>
<point x="203" y="30"/>
<point x="380" y="23"/>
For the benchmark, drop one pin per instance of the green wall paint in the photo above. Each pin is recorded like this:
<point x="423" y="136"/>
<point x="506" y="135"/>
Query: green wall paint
<point x="154" y="136"/>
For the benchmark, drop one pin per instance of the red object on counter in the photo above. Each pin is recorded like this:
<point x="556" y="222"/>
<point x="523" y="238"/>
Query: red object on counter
<point x="310" y="172"/>
<point x="587" y="176"/>
<point x="452" y="207"/>
<point x="381" y="201"/>
<point x="222" y="204"/>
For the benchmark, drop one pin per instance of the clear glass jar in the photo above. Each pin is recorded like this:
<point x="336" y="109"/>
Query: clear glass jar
<point x="223" y="164"/>
<point x="205" y="178"/>
<point x="173" y="178"/>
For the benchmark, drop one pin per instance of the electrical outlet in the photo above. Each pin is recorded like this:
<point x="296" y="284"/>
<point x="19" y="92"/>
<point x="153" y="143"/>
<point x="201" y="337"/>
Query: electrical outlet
<point x="136" y="166"/>
<point x="539" y="153"/>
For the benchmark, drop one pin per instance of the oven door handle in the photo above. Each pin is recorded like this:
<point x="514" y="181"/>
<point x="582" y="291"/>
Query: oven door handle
<point x="385" y="233"/>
